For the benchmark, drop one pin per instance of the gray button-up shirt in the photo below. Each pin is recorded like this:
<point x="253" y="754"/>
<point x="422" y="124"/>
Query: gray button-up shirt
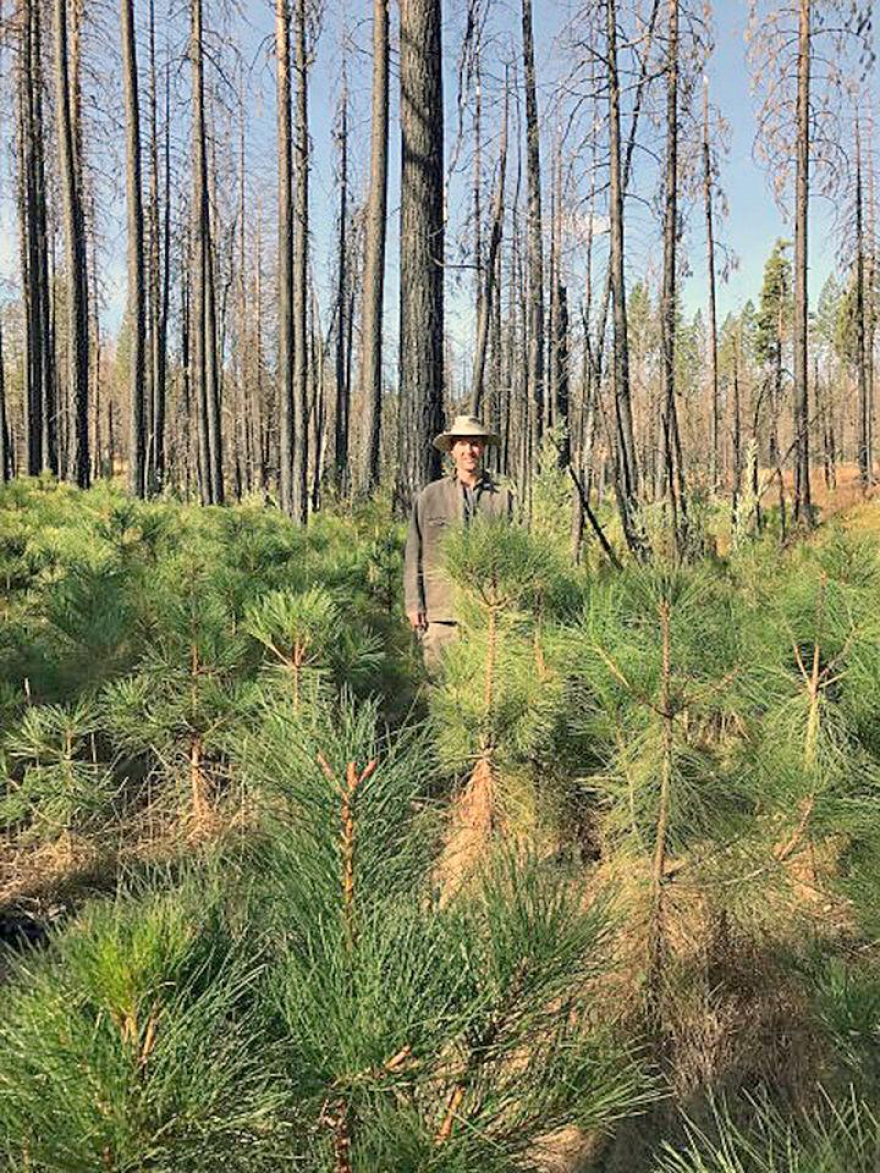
<point x="441" y="504"/>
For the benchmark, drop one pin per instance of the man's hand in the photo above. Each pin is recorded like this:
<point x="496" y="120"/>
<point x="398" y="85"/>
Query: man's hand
<point x="418" y="620"/>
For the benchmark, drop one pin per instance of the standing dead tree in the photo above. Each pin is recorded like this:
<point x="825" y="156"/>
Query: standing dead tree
<point x="536" y="389"/>
<point x="421" y="245"/>
<point x="39" y="374"/>
<point x="299" y="486"/>
<point x="204" y="306"/>
<point x="798" y="137"/>
<point x="374" y="254"/>
<point x="854" y="333"/>
<point x="617" y="84"/>
<point x="136" y="283"/>
<point x="69" y="143"/>
<point x="285" y="253"/>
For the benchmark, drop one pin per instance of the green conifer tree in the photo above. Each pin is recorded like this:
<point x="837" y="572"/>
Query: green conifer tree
<point x="417" y="1037"/>
<point x="501" y="694"/>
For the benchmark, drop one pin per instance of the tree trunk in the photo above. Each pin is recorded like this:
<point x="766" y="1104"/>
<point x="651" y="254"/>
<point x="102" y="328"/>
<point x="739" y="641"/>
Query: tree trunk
<point x="535" y="230"/>
<point x="561" y="374"/>
<point x="737" y="438"/>
<point x="340" y="454"/>
<point x="40" y="417"/>
<point x="75" y="255"/>
<point x="44" y="254"/>
<point x="300" y="501"/>
<point x="486" y="301"/>
<point x="374" y="255"/>
<point x="242" y="433"/>
<point x="421" y="245"/>
<point x="189" y="410"/>
<point x="675" y="486"/>
<point x="161" y="404"/>
<point x="204" y="310"/>
<point x="864" y="425"/>
<point x="870" y="306"/>
<point x="715" y="461"/>
<point x="30" y="272"/>
<point x="135" y="228"/>
<point x="626" y="478"/>
<point x="802" y="500"/>
<point x="5" y="447"/>
<point x="285" y="253"/>
<point x="156" y="403"/>
<point x="259" y="414"/>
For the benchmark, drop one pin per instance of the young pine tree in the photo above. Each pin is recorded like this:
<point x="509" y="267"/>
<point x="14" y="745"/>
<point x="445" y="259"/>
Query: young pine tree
<point x="416" y="1037"/>
<point x="501" y="694"/>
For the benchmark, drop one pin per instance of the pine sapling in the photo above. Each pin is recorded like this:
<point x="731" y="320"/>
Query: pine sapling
<point x="500" y="571"/>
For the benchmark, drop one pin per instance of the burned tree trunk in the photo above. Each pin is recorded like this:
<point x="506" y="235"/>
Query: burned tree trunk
<point x="421" y="245"/>
<point x="535" y="238"/>
<point x="674" y="470"/>
<point x="714" y="463"/>
<point x="374" y="255"/>
<point x="864" y="406"/>
<point x="341" y="428"/>
<point x="75" y="254"/>
<point x="285" y="254"/>
<point x="626" y="473"/>
<point x="489" y="285"/>
<point x="299" y="487"/>
<point x="137" y="436"/>
<point x="802" y="500"/>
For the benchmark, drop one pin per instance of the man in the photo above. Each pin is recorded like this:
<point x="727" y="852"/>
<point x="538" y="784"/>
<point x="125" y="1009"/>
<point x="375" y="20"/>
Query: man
<point x="454" y="500"/>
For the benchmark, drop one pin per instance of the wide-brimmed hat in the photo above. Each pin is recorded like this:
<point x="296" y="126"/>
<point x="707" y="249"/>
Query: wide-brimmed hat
<point x="463" y="427"/>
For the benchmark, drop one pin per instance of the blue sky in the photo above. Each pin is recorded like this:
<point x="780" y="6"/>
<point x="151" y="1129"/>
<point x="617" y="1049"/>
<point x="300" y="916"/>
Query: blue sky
<point x="753" y="224"/>
<point x="754" y="221"/>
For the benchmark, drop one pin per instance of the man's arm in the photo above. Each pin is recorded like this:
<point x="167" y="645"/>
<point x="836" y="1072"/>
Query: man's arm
<point x="413" y="586"/>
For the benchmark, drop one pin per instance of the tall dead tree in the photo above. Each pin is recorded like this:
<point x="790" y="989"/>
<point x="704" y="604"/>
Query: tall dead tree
<point x="135" y="254"/>
<point x="74" y="252"/>
<point x="156" y="286"/>
<point x="626" y="474"/>
<point x="802" y="498"/>
<point x="784" y="40"/>
<point x="421" y="245"/>
<point x="5" y="447"/>
<point x="285" y="254"/>
<point x="558" y="388"/>
<point x="708" y="203"/>
<point x="40" y="415"/>
<point x="674" y="465"/>
<point x="243" y="436"/>
<point x="343" y="282"/>
<point x="865" y="456"/>
<point x="537" y="407"/>
<point x="489" y="275"/>
<point x="299" y="498"/>
<point x="204" y="310"/>
<point x="374" y="255"/>
<point x="871" y="298"/>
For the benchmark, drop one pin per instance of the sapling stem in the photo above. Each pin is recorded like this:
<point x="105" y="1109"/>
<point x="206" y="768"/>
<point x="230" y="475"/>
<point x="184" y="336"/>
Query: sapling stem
<point x="353" y="780"/>
<point x="659" y="868"/>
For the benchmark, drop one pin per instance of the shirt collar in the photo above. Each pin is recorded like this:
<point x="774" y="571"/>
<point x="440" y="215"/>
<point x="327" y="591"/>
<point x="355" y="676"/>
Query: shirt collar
<point x="483" y="481"/>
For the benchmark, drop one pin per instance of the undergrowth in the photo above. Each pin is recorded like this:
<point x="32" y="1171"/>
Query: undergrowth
<point x="615" y="870"/>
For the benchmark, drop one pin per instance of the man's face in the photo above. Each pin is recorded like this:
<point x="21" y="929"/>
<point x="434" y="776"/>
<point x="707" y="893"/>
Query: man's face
<point x="467" y="454"/>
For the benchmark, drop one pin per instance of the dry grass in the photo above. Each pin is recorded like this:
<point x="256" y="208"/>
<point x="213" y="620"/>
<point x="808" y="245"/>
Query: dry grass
<point x="471" y="819"/>
<point x="72" y="868"/>
<point x="847" y="497"/>
<point x="731" y="1013"/>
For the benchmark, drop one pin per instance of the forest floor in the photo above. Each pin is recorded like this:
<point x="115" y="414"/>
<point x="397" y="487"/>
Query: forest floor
<point x="159" y="646"/>
<point x="40" y="882"/>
